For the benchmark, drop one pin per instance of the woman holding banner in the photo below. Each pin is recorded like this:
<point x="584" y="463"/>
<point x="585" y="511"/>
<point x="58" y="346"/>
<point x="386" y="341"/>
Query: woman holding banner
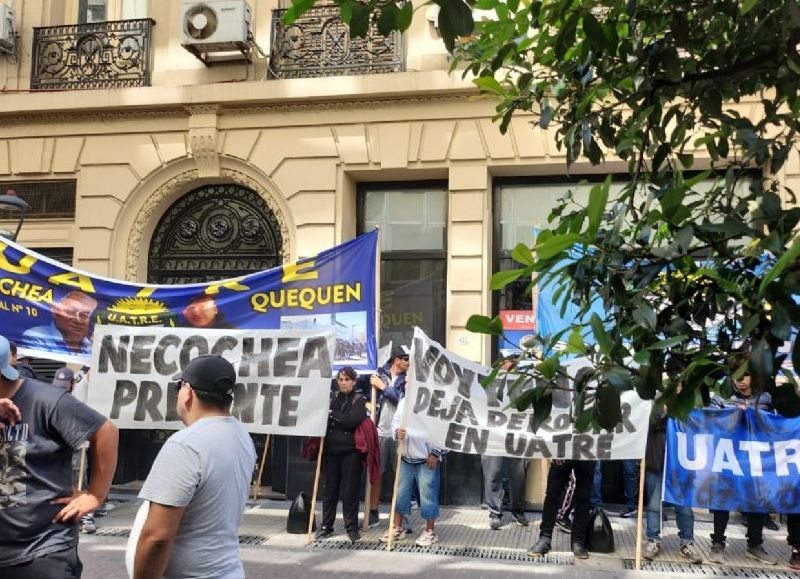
<point x="341" y="461"/>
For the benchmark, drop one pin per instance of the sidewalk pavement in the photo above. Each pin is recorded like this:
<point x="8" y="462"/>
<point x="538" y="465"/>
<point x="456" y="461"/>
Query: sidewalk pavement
<point x="466" y="548"/>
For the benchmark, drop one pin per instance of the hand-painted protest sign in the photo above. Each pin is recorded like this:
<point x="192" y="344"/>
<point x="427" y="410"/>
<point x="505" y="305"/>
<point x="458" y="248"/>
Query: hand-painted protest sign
<point x="51" y="310"/>
<point x="283" y="384"/>
<point x="734" y="460"/>
<point x="448" y="408"/>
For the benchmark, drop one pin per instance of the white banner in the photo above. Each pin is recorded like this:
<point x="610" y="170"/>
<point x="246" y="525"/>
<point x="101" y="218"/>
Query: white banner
<point x="283" y="385"/>
<point x="448" y="408"/>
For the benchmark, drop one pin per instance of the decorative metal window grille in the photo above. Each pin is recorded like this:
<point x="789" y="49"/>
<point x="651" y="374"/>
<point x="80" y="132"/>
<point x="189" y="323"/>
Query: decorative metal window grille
<point x="91" y="56"/>
<point x="48" y="199"/>
<point x="319" y="44"/>
<point x="214" y="232"/>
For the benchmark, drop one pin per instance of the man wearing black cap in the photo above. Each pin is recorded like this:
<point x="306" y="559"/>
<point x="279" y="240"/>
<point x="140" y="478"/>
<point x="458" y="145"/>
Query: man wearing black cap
<point x="38" y="509"/>
<point x="390" y="382"/>
<point x="196" y="491"/>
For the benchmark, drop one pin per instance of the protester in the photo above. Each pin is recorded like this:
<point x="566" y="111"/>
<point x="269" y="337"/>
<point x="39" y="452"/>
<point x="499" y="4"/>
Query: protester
<point x="565" y="511"/>
<point x="493" y="470"/>
<point x="743" y="397"/>
<point x="195" y="494"/>
<point x="22" y="363"/>
<point x="341" y="461"/>
<point x="793" y="538"/>
<point x="630" y="486"/>
<point x="70" y="326"/>
<point x="64" y="378"/>
<point x="38" y="521"/>
<point x="390" y="382"/>
<point x="557" y="479"/>
<point x="654" y="475"/>
<point x="420" y="470"/>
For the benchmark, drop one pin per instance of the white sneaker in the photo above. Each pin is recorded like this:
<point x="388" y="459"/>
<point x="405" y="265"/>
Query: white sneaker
<point x="427" y="538"/>
<point x="652" y="549"/>
<point x="395" y="533"/>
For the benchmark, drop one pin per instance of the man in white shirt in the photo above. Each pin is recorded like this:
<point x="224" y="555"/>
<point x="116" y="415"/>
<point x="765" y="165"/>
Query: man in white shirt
<point x="196" y="491"/>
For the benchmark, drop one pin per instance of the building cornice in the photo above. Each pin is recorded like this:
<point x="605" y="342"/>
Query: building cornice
<point x="405" y="88"/>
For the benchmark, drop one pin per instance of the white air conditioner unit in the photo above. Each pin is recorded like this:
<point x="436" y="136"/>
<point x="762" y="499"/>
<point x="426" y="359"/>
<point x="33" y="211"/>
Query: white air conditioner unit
<point x="215" y="25"/>
<point x="7" y="39"/>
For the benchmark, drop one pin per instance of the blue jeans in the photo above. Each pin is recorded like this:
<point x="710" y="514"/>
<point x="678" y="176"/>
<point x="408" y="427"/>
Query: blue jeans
<point x="597" y="486"/>
<point x="630" y="480"/>
<point x="683" y="515"/>
<point x="418" y="475"/>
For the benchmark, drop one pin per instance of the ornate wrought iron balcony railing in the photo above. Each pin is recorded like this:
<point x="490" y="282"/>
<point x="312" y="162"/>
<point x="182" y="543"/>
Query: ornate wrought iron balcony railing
<point x="90" y="56"/>
<point x="319" y="44"/>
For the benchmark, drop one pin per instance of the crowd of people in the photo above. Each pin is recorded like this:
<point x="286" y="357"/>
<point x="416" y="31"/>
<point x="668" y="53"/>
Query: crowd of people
<point x="195" y="494"/>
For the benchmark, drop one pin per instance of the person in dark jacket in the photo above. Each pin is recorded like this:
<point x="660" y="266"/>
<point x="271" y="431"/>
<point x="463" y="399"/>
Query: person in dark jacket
<point x="341" y="461"/>
<point x="743" y="397"/>
<point x="654" y="475"/>
<point x="390" y="386"/>
<point x="22" y="364"/>
<point x="793" y="538"/>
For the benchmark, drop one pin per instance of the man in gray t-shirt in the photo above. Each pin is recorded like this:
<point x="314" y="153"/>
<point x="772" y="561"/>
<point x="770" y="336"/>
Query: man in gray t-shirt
<point x="39" y="511"/>
<point x="196" y="491"/>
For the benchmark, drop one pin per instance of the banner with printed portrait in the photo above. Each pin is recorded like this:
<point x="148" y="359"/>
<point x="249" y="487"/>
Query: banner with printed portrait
<point x="447" y="406"/>
<point x="734" y="459"/>
<point x="283" y="376"/>
<point x="51" y="310"/>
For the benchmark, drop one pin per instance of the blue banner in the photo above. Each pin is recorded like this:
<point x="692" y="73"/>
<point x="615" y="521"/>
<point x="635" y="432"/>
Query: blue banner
<point x="734" y="460"/>
<point x="50" y="310"/>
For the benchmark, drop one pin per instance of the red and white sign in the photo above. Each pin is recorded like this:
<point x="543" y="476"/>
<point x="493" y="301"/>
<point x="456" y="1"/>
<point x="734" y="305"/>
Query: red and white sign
<point x="518" y="320"/>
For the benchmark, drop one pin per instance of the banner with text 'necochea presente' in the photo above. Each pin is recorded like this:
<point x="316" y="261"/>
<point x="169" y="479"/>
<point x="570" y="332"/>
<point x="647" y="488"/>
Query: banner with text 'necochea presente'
<point x="449" y="408"/>
<point x="283" y="376"/>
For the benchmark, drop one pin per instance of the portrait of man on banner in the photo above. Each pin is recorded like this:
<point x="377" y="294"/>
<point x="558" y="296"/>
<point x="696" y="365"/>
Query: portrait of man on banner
<point x="70" y="327"/>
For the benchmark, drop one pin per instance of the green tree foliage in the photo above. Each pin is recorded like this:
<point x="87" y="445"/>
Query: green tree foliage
<point x="653" y="83"/>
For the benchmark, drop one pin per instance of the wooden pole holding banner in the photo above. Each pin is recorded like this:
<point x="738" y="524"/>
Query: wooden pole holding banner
<point x="642" y="474"/>
<point x="82" y="468"/>
<point x="400" y="449"/>
<point x="374" y="396"/>
<point x="257" y="489"/>
<point x="313" y="509"/>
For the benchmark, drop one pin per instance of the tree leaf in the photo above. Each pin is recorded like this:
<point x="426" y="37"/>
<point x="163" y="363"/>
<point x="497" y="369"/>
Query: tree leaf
<point x="594" y="32"/>
<point x="598" y="198"/>
<point x="522" y="254"/>
<point x="485" y="325"/>
<point x="603" y="341"/>
<point x="455" y="20"/>
<point x="762" y="366"/>
<point x="405" y="16"/>
<point x="489" y="84"/>
<point x="542" y="407"/>
<point x="359" y="20"/>
<point x="789" y="257"/>
<point x="297" y="9"/>
<point x="504" y="277"/>
<point x="668" y="343"/>
<point x="556" y="244"/>
<point x="747" y="6"/>
<point x="645" y="316"/>
<point x="608" y="407"/>
<point x="387" y="21"/>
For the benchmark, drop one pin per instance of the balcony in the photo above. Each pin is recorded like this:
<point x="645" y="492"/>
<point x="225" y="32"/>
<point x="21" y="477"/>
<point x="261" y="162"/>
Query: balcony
<point x="319" y="44"/>
<point x="92" y="56"/>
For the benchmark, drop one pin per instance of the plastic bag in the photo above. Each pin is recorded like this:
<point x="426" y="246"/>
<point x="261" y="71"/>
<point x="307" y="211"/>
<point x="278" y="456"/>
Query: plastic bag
<point x="297" y="523"/>
<point x="599" y="534"/>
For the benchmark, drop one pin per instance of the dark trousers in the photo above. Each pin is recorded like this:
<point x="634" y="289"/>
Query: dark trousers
<point x="59" y="565"/>
<point x="755" y="527"/>
<point x="342" y="479"/>
<point x="793" y="526"/>
<point x="557" y="481"/>
<point x="493" y="482"/>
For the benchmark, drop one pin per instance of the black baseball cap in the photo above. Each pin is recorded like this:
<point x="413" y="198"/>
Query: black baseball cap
<point x="210" y="374"/>
<point x="400" y="352"/>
